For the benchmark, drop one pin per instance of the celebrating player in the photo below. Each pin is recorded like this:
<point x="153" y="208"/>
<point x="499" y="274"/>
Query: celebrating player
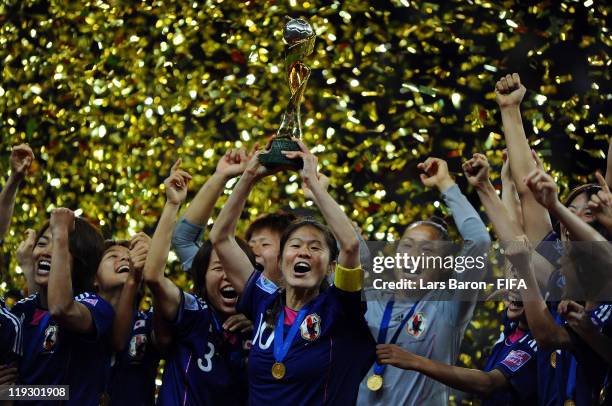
<point x="311" y="344"/>
<point x="204" y="364"/>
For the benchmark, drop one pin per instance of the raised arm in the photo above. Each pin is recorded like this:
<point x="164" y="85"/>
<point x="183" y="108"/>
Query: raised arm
<point x="21" y="159"/>
<point x="580" y="321"/>
<point x="68" y="312"/>
<point x="189" y="230"/>
<point x="601" y="204"/>
<point x="235" y="261"/>
<point x="25" y="259"/>
<point x="335" y="218"/>
<point x="609" y="166"/>
<point x="166" y="295"/>
<point x="548" y="334"/>
<point x="124" y="313"/>
<point x="544" y="189"/>
<point x="509" y="195"/>
<point x="509" y="93"/>
<point x="477" y="173"/>
<point x="505" y="226"/>
<point x="463" y="379"/>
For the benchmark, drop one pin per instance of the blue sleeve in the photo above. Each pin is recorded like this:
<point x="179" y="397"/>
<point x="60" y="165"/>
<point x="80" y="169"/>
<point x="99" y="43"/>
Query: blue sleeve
<point x="185" y="241"/>
<point x="257" y="289"/>
<point x="601" y="316"/>
<point x="520" y="369"/>
<point x="102" y="314"/>
<point x="476" y="244"/>
<point x="10" y="336"/>
<point x="551" y="248"/>
<point x="191" y="312"/>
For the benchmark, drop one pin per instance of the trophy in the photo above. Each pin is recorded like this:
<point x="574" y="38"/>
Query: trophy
<point x="299" y="39"/>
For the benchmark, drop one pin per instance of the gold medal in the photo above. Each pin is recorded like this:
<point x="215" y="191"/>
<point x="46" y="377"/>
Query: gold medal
<point x="569" y="402"/>
<point x="278" y="370"/>
<point x="553" y="359"/>
<point x="375" y="382"/>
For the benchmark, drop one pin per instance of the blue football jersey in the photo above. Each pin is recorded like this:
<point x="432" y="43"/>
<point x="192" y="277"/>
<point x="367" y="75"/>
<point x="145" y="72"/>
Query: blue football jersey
<point x="328" y="358"/>
<point x="517" y="362"/>
<point x="10" y="336"/>
<point x="53" y="355"/>
<point x="204" y="365"/>
<point x="134" y="369"/>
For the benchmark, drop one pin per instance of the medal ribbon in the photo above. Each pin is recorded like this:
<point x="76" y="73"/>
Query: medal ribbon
<point x="282" y="343"/>
<point x="384" y="327"/>
<point x="570" y="389"/>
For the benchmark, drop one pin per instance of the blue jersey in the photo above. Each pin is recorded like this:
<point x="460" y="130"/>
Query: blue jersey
<point x="136" y="366"/>
<point x="517" y="362"/>
<point x="204" y="366"/>
<point x="53" y="355"/>
<point x="326" y="361"/>
<point x="602" y="318"/>
<point x="10" y="336"/>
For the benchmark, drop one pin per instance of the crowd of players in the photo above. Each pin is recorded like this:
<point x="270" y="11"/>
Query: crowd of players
<point x="283" y="317"/>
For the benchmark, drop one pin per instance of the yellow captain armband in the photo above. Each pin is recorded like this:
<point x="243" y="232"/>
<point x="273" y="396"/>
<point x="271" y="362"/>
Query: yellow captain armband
<point x="349" y="280"/>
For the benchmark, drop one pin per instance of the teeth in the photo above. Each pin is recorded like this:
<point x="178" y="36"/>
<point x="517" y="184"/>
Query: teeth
<point x="228" y="289"/>
<point x="123" y="269"/>
<point x="302" y="267"/>
<point x="44" y="265"/>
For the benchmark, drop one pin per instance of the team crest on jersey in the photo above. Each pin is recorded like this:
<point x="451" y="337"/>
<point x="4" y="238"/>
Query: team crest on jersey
<point x="50" y="337"/>
<point x="416" y="325"/>
<point x="311" y="327"/>
<point x="139" y="324"/>
<point x="516" y="359"/>
<point x="138" y="346"/>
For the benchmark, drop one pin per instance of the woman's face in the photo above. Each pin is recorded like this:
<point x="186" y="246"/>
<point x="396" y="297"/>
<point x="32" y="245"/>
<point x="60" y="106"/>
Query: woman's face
<point x="219" y="291"/>
<point x="305" y="258"/>
<point x="42" y="258"/>
<point x="114" y="268"/>
<point x="265" y="244"/>
<point x="419" y="241"/>
<point x="514" y="307"/>
<point x="578" y="206"/>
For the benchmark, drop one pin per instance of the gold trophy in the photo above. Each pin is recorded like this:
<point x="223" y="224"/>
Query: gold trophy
<point x="299" y="39"/>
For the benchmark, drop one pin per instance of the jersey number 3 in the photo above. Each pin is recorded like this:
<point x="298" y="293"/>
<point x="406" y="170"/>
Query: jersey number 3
<point x="206" y="364"/>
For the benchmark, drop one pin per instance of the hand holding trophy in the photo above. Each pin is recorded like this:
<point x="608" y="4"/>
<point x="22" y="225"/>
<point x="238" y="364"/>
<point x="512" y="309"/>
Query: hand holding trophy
<point x="299" y="38"/>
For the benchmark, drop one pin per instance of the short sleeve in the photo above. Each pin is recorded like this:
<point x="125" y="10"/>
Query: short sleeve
<point x="257" y="289"/>
<point x="10" y="336"/>
<point x="551" y="248"/>
<point x="520" y="368"/>
<point x="102" y="313"/>
<point x="189" y="314"/>
<point x="185" y="241"/>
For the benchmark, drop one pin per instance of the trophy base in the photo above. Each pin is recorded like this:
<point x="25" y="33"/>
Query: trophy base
<point x="275" y="158"/>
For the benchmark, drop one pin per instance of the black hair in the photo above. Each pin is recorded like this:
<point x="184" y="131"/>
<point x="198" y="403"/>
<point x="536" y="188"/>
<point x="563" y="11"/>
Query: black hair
<point x="200" y="263"/>
<point x="277" y="222"/>
<point x="86" y="245"/>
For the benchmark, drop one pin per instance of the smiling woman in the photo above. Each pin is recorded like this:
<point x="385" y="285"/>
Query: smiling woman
<point x="307" y="333"/>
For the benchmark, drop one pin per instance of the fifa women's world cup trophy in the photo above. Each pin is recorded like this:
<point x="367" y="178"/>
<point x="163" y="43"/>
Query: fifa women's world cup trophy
<point x="299" y="38"/>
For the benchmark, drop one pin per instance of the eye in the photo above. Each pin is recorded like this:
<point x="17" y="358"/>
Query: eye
<point x="266" y="245"/>
<point x="294" y="245"/>
<point x="315" y="248"/>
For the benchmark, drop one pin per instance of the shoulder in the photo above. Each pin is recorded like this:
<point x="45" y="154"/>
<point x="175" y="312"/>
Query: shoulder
<point x="193" y="302"/>
<point x="94" y="302"/>
<point x="24" y="305"/>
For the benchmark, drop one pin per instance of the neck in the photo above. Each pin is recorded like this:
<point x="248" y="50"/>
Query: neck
<point x="523" y="325"/>
<point x="42" y="294"/>
<point x="111" y="296"/>
<point x="296" y="298"/>
<point x="273" y="275"/>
